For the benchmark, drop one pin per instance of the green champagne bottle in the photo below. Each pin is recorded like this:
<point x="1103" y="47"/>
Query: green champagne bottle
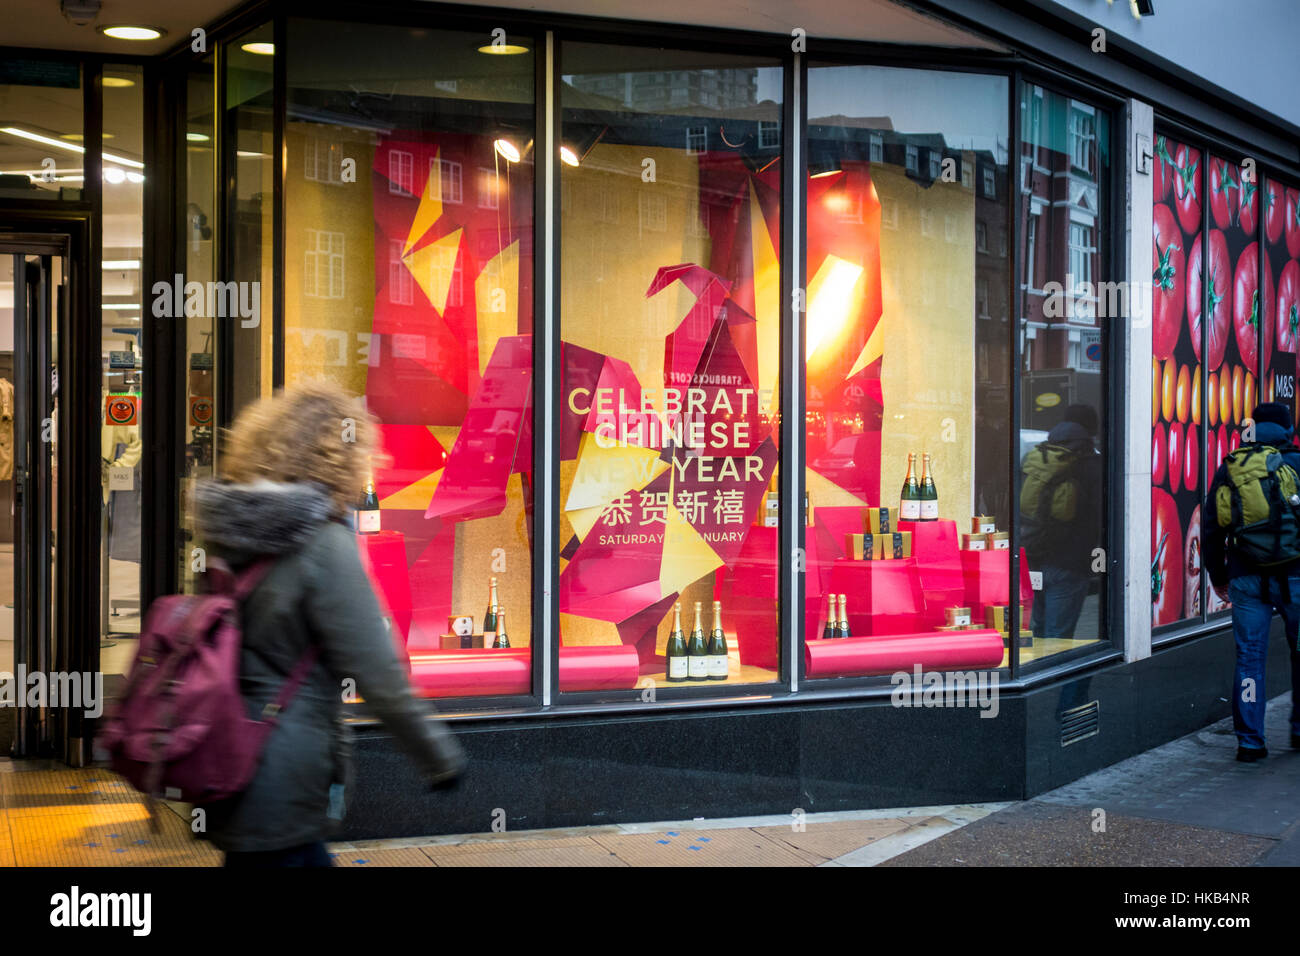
<point x="843" y="628"/>
<point x="676" y="651"/>
<point x="490" y="615"/>
<point x="501" y="640"/>
<point x="697" y="651"/>
<point x="368" y="511"/>
<point x="829" y="631"/>
<point x="909" y="507"/>
<point x="929" y="494"/>
<point x="718" y="659"/>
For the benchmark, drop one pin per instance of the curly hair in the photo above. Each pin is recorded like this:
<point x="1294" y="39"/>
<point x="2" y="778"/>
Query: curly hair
<point x="314" y="432"/>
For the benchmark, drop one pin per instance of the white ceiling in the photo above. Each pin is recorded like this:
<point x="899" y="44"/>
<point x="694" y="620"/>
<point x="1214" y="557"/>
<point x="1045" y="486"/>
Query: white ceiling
<point x="38" y="23"/>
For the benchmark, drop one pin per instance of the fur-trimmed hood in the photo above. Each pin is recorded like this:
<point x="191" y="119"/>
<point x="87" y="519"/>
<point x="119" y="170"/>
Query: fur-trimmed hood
<point x="263" y="517"/>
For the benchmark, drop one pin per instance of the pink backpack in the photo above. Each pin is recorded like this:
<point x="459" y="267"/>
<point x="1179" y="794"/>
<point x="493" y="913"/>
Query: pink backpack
<point x="181" y="728"/>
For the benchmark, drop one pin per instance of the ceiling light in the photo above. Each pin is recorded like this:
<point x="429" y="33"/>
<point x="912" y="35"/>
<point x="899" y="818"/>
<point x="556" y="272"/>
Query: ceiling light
<point x="503" y="49"/>
<point x="117" y="82"/>
<point x="123" y="32"/>
<point x="260" y="48"/>
<point x="196" y="137"/>
<point x="120" y="306"/>
<point x="70" y="147"/>
<point x="120" y="265"/>
<point x="823" y="164"/>
<point x="568" y="156"/>
<point x="78" y="137"/>
<point x="508" y="150"/>
<point x="134" y="177"/>
<point x="114" y="175"/>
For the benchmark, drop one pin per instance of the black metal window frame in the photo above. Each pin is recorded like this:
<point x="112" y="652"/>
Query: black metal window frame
<point x="1020" y="65"/>
<point x="1212" y="145"/>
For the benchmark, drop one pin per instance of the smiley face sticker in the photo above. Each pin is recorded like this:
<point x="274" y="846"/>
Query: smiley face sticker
<point x="122" y="410"/>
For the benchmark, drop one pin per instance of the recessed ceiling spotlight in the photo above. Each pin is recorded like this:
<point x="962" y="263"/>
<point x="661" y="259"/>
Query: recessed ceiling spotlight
<point x="127" y="32"/>
<point x="117" y="82"/>
<point x="260" y="48"/>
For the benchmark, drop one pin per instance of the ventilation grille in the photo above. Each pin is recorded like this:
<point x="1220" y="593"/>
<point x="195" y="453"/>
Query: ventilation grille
<point x="1080" y="723"/>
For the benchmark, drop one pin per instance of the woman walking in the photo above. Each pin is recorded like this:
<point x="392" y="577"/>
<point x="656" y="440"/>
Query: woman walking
<point x="291" y="472"/>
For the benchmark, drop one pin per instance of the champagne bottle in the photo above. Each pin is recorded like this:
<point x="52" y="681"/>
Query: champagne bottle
<point x="929" y="494"/>
<point x="718" y="660"/>
<point x="697" y="651"/>
<point x="829" y="631"/>
<point x="843" y="627"/>
<point x="368" y="511"/>
<point x="502" y="640"/>
<point x="490" y="615"/>
<point x="909" y="507"/>
<point x="676" y="651"/>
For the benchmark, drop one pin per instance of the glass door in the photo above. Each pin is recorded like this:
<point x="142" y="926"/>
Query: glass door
<point x="34" y="287"/>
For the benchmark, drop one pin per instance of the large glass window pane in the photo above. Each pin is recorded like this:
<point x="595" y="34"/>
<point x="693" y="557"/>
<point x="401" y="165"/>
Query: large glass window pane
<point x="408" y="281"/>
<point x="248" y="138"/>
<point x="198" y="232"/>
<point x="123" y="373"/>
<point x="907" y="357"/>
<point x="1178" y="381"/>
<point x="1279" y="212"/>
<point x="1066" y="303"/>
<point x="669" y="392"/>
<point x="41" y="142"/>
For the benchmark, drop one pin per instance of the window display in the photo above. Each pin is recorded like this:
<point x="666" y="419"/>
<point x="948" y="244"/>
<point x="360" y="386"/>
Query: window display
<point x="670" y="350"/>
<point x="1066" y="307"/>
<point x="907" y="370"/>
<point x="408" y="281"/>
<point x="1280" y="216"/>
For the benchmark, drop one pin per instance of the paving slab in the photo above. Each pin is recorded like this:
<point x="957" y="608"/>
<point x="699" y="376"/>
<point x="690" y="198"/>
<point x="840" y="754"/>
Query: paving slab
<point x="1045" y="834"/>
<point x="729" y="847"/>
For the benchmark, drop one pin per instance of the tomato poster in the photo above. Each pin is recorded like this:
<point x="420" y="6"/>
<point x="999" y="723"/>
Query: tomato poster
<point x="1280" y="207"/>
<point x="1178" y="382"/>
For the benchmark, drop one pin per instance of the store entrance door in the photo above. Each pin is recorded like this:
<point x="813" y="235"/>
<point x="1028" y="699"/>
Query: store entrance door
<point x="33" y="308"/>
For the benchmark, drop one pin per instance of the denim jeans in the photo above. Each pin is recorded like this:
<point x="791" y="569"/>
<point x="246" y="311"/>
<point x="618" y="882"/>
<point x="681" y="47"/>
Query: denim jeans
<point x="1057" y="605"/>
<point x="1253" y="601"/>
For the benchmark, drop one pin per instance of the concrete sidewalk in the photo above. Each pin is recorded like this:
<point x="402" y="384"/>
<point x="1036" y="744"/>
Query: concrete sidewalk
<point x="1186" y="803"/>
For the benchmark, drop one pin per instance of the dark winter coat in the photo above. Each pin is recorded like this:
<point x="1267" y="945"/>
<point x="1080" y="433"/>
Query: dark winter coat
<point x="315" y="593"/>
<point x="1222" y="562"/>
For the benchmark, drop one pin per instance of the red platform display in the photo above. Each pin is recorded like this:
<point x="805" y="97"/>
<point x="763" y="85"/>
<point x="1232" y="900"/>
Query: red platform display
<point x="383" y="555"/>
<point x="467" y="673"/>
<point x="987" y="576"/>
<point x="938" y="566"/>
<point x="884" y="597"/>
<point x="860" y="656"/>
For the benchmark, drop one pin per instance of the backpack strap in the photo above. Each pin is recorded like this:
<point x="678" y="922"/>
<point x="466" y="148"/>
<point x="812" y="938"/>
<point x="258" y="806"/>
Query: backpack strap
<point x="271" y="712"/>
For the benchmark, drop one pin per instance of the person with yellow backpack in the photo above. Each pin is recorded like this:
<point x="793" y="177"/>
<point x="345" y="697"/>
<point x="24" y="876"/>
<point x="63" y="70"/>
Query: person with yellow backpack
<point x="1250" y="540"/>
<point x="1061" y="520"/>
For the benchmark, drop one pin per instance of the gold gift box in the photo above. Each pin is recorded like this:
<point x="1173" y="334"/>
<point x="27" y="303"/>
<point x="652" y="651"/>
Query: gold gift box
<point x="1026" y="639"/>
<point x="974" y="542"/>
<point x="999" y="540"/>
<point x="983" y="524"/>
<point x="996" y="616"/>
<point x="882" y="520"/>
<point x="860" y="547"/>
<point x="463" y="641"/>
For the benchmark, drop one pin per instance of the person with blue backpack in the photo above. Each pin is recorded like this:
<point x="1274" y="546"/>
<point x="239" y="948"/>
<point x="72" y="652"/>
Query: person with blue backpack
<point x="1250" y="540"/>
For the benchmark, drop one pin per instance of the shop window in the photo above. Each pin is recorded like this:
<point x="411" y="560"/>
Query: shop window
<point x="898" y="375"/>
<point x="416" y="297"/>
<point x="669" y="433"/>
<point x="1062" y="434"/>
<point x="323" y="264"/>
<point x="323" y="161"/>
<point x="401" y="172"/>
<point x="448" y="176"/>
<point x="489" y="188"/>
<point x="401" y="287"/>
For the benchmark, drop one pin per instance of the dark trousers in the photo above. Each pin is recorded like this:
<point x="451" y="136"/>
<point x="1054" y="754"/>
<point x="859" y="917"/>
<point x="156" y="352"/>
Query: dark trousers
<point x="1254" y="599"/>
<point x="309" y="854"/>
